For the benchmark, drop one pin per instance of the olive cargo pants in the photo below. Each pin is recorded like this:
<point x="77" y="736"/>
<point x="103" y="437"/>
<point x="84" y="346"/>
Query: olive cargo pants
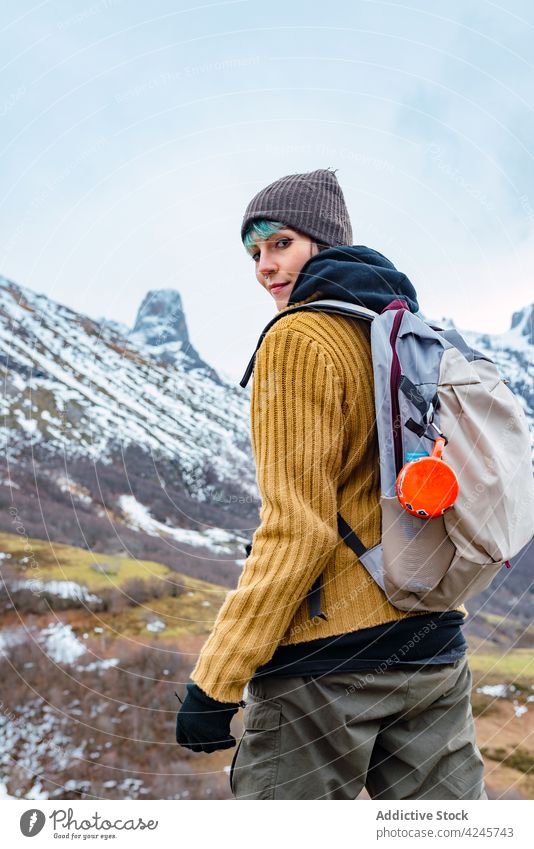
<point x="403" y="734"/>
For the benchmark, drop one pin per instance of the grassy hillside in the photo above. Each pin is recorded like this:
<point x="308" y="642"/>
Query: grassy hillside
<point x="515" y="664"/>
<point x="503" y="706"/>
<point x="186" y="606"/>
<point x="68" y="563"/>
<point x="134" y="642"/>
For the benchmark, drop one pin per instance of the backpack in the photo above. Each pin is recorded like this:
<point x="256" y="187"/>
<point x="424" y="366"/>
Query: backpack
<point x="429" y="382"/>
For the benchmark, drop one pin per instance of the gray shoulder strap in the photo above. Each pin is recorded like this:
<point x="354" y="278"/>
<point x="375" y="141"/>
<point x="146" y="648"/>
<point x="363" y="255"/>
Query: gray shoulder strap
<point x="329" y="305"/>
<point x="341" y="308"/>
<point x="452" y="336"/>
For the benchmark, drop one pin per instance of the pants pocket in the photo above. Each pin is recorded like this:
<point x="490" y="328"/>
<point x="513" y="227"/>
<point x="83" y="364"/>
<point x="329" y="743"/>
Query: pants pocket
<point x="255" y="763"/>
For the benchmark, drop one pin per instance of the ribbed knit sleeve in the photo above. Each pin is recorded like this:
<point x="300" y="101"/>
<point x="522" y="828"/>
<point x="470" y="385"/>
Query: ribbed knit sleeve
<point x="297" y="438"/>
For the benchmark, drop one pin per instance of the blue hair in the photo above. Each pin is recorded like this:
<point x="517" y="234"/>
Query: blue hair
<point x="262" y="229"/>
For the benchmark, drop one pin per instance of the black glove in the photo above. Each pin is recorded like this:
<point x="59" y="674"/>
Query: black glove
<point x="203" y="723"/>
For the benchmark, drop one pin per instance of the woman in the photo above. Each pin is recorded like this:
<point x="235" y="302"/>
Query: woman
<point x="346" y="691"/>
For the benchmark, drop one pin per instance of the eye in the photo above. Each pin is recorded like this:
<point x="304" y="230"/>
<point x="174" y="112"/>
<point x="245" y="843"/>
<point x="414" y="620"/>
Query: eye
<point x="283" y="243"/>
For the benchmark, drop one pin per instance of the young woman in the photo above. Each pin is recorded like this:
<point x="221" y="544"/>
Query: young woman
<point x="344" y="689"/>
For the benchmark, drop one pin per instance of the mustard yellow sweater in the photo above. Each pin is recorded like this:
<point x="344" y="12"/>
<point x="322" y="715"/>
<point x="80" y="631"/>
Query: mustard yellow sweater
<point x="315" y="446"/>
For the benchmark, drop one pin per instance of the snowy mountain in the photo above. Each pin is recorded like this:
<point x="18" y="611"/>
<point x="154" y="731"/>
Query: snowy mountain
<point x="513" y="351"/>
<point x="523" y="323"/>
<point x="93" y="420"/>
<point x="515" y="346"/>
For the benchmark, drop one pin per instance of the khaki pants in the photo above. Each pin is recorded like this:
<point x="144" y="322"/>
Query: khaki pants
<point x="401" y="734"/>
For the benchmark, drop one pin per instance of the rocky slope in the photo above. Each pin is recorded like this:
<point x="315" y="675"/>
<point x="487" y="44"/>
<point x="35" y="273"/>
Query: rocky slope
<point x="127" y="441"/>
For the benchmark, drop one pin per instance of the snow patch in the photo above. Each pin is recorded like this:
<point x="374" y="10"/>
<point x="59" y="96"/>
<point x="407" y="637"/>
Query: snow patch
<point x="11" y="637"/>
<point x="138" y="518"/>
<point x="505" y="691"/>
<point x="156" y="626"/>
<point x="497" y="691"/>
<point x="75" y="489"/>
<point x="61" y="644"/>
<point x="108" y="663"/>
<point x="61" y="589"/>
<point x="11" y="484"/>
<point x="3" y="792"/>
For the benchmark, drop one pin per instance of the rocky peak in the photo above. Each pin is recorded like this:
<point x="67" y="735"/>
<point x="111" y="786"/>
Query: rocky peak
<point x="524" y="321"/>
<point x="161" y="326"/>
<point x="160" y="318"/>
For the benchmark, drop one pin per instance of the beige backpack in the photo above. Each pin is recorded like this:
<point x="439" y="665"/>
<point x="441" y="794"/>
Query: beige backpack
<point x="429" y="382"/>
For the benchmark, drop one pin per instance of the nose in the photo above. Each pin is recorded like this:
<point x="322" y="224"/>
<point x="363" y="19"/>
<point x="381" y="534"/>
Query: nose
<point x="266" y="264"/>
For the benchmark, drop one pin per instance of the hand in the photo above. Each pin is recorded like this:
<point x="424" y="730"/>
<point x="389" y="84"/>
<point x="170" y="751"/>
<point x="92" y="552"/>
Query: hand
<point x="203" y="723"/>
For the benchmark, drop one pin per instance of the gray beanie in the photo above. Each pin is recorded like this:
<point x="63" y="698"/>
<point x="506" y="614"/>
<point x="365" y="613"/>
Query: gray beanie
<point x="311" y="203"/>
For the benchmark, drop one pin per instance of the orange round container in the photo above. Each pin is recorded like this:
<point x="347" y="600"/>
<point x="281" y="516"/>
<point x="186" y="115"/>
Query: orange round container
<point x="428" y="487"/>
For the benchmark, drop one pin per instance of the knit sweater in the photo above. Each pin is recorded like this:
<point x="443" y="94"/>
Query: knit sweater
<point x="315" y="446"/>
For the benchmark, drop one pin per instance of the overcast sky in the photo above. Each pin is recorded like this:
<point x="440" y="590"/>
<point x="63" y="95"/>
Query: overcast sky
<point x="133" y="134"/>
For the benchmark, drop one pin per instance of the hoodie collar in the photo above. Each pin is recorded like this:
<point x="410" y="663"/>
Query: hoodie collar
<point x="352" y="273"/>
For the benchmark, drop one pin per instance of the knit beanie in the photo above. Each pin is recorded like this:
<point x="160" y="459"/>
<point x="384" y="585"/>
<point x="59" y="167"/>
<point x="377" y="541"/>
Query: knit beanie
<point x="311" y="203"/>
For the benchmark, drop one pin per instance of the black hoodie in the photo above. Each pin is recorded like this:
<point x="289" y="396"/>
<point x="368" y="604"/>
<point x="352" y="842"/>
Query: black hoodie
<point x="356" y="274"/>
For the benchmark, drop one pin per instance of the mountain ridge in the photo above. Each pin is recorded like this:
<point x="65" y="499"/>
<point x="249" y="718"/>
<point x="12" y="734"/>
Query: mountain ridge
<point x="91" y="418"/>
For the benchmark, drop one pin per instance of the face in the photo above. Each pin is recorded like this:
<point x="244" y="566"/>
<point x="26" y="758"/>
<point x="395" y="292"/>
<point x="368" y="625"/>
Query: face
<point x="278" y="261"/>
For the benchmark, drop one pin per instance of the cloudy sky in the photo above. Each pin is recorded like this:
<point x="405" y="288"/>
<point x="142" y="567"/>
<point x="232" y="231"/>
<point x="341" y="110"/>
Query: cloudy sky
<point x="134" y="134"/>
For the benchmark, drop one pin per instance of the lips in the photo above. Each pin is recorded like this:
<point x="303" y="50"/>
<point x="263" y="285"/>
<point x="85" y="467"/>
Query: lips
<point x="277" y="286"/>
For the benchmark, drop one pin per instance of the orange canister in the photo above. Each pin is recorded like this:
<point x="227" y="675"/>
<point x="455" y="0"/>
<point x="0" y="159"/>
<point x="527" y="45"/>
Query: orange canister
<point x="427" y="487"/>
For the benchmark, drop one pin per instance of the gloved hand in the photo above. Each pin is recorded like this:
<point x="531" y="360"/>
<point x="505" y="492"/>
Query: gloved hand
<point x="203" y="723"/>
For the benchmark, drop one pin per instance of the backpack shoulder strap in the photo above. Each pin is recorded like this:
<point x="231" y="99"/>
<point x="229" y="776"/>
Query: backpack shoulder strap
<point x="471" y="354"/>
<point x="329" y="305"/>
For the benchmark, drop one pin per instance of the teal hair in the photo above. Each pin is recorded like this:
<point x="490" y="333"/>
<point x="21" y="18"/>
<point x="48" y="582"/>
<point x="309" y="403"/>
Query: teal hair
<point x="262" y="229"/>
